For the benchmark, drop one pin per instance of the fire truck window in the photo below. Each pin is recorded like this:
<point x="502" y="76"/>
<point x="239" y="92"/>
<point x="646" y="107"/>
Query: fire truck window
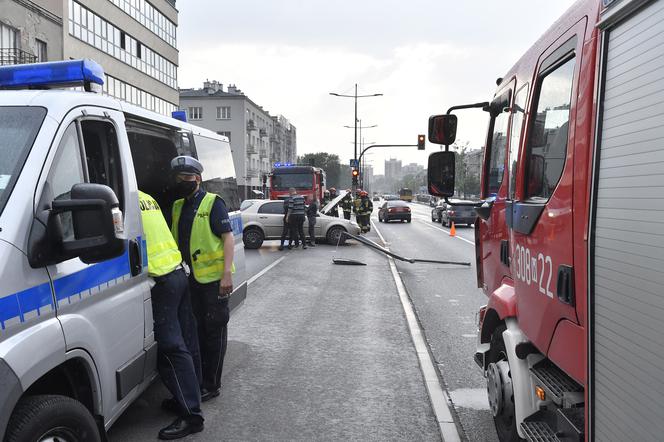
<point x="284" y="181"/>
<point x="497" y="153"/>
<point x="547" y="143"/>
<point x="518" y="114"/>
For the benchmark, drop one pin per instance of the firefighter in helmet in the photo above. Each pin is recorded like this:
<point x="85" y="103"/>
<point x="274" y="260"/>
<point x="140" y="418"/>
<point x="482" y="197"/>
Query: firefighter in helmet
<point x="347" y="204"/>
<point x="364" y="211"/>
<point x="334" y="211"/>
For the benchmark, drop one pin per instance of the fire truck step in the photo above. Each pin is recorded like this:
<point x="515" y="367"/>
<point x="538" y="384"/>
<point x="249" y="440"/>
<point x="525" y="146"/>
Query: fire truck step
<point x="563" y="424"/>
<point x="538" y="432"/>
<point x="560" y="388"/>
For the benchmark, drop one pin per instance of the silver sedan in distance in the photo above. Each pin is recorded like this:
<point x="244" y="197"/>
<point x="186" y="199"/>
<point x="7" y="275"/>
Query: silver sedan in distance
<point x="264" y="220"/>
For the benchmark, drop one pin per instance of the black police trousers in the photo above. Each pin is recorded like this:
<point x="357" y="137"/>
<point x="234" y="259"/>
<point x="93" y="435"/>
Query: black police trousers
<point x="212" y="314"/>
<point x="178" y="359"/>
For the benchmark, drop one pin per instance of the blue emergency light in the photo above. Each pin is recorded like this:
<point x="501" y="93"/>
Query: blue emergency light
<point x="70" y="73"/>
<point x="179" y="115"/>
<point x="278" y="165"/>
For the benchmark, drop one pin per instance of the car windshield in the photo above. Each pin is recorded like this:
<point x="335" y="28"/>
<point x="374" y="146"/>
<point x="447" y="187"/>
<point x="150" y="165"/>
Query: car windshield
<point x="19" y="127"/>
<point x="284" y="181"/>
<point x="246" y="204"/>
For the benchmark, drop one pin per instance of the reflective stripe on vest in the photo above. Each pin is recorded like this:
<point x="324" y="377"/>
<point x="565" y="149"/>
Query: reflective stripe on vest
<point x="205" y="248"/>
<point x="163" y="253"/>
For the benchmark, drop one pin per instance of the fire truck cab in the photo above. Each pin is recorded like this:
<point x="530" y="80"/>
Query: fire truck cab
<point x="308" y="181"/>
<point x="569" y="242"/>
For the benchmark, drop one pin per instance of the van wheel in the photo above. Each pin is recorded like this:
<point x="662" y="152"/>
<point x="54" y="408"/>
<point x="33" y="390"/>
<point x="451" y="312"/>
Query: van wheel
<point x="253" y="238"/>
<point x="499" y="389"/>
<point x="51" y="418"/>
<point x="336" y="235"/>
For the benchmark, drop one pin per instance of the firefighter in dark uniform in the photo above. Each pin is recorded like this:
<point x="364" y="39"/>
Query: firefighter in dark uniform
<point x="334" y="211"/>
<point x="356" y="206"/>
<point x="347" y="205"/>
<point x="364" y="212"/>
<point x="178" y="357"/>
<point x="204" y="234"/>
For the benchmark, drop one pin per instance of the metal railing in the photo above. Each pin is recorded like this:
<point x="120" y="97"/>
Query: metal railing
<point x="263" y="153"/>
<point x="252" y="173"/>
<point x="16" y="56"/>
<point x="251" y="149"/>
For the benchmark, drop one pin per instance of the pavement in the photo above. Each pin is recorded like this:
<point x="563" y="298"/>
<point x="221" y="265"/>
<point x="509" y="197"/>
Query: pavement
<point x="446" y="300"/>
<point x="318" y="352"/>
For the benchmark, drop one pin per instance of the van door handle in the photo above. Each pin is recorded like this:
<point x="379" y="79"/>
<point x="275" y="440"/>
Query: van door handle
<point x="262" y="217"/>
<point x="565" y="286"/>
<point x="135" y="265"/>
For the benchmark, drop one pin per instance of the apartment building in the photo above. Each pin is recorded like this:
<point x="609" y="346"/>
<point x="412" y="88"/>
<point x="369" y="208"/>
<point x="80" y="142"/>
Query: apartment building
<point x="258" y="139"/>
<point x="135" y="41"/>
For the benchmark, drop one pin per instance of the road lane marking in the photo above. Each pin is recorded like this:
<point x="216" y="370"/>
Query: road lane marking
<point x="426" y="223"/>
<point x="439" y="399"/>
<point x="264" y="271"/>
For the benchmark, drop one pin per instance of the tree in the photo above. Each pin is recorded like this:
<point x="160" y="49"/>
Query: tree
<point x="466" y="182"/>
<point x="328" y="162"/>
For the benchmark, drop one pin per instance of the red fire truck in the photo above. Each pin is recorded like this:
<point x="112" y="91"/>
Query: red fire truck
<point x="570" y="229"/>
<point x="307" y="180"/>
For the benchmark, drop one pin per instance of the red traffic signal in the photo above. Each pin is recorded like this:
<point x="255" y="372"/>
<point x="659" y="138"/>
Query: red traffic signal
<point x="420" y="142"/>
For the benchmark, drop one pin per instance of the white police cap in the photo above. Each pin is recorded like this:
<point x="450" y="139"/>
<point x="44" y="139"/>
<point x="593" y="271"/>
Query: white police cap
<point x="186" y="165"/>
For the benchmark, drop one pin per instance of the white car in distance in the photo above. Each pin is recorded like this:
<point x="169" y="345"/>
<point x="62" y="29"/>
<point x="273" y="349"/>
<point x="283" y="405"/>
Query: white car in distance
<point x="264" y="220"/>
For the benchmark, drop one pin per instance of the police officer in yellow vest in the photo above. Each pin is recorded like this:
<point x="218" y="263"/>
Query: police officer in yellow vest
<point x="174" y="323"/>
<point x="204" y="234"/>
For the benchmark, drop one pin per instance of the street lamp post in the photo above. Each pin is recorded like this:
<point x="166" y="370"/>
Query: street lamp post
<point x="355" y="96"/>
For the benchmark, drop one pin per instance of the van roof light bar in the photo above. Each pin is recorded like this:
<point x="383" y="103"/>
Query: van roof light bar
<point x="55" y="74"/>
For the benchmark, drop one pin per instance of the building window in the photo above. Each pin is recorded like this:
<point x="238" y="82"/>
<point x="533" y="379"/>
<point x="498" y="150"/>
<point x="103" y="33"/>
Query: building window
<point x="147" y="15"/>
<point x="42" y="54"/>
<point x="126" y="92"/>
<point x="94" y="30"/>
<point x="195" y="113"/>
<point x="226" y="134"/>
<point x="223" y="113"/>
<point x="7" y="37"/>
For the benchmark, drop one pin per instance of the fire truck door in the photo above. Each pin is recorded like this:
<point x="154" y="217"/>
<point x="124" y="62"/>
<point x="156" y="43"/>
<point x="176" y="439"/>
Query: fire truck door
<point x="540" y="215"/>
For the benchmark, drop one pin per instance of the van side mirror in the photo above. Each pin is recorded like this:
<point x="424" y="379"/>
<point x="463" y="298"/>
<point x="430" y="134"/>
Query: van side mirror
<point x="96" y="220"/>
<point x="442" y="129"/>
<point x="441" y="173"/>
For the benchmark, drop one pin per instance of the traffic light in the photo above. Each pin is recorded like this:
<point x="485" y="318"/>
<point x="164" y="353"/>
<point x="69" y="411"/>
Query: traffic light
<point x="355" y="174"/>
<point x="420" y="142"/>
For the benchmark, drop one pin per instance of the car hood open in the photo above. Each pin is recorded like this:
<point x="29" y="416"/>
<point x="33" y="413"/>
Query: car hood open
<point x="334" y="202"/>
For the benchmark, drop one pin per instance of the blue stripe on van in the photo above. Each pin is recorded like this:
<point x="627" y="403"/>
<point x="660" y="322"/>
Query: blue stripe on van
<point x="17" y="305"/>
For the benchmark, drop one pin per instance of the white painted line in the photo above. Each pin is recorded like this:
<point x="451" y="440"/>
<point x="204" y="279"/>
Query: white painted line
<point x="264" y="271"/>
<point x="448" y="232"/>
<point x="437" y="395"/>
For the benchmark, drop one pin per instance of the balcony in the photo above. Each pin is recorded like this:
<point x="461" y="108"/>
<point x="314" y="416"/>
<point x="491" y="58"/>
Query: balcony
<point x="251" y="126"/>
<point x="263" y="133"/>
<point x="15" y="56"/>
<point x="263" y="153"/>
<point x="252" y="172"/>
<point x="251" y="149"/>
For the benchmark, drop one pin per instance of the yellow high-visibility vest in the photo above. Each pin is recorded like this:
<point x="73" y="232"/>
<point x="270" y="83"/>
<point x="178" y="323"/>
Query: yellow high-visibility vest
<point x="163" y="253"/>
<point x="206" y="249"/>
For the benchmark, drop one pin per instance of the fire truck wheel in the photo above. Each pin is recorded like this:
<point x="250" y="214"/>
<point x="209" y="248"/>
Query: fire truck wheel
<point x="499" y="389"/>
<point x="51" y="418"/>
<point x="253" y="238"/>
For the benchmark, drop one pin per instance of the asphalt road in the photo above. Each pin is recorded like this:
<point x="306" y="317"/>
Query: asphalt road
<point x="317" y="352"/>
<point x="446" y="300"/>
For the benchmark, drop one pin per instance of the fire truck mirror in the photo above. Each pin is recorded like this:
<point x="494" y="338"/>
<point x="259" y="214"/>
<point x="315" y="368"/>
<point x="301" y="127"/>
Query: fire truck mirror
<point x="441" y="173"/>
<point x="442" y="129"/>
<point x="536" y="175"/>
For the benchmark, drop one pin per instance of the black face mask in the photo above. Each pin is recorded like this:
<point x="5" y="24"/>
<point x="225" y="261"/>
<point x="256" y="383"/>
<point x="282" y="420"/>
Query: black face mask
<point x="185" y="188"/>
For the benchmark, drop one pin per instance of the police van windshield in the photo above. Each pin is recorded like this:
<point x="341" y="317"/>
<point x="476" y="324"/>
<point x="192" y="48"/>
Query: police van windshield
<point x="297" y="180"/>
<point x="18" y="129"/>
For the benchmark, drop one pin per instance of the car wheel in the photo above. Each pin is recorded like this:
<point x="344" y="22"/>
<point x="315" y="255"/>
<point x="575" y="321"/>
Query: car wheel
<point x="433" y="219"/>
<point x="253" y="238"/>
<point x="335" y="235"/>
<point x="49" y="418"/>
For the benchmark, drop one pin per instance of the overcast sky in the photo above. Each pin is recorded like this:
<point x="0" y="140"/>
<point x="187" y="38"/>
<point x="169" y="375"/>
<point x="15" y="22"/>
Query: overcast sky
<point x="423" y="55"/>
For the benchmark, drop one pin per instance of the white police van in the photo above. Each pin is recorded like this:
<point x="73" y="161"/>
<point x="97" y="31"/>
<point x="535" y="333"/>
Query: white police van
<point x="76" y="339"/>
